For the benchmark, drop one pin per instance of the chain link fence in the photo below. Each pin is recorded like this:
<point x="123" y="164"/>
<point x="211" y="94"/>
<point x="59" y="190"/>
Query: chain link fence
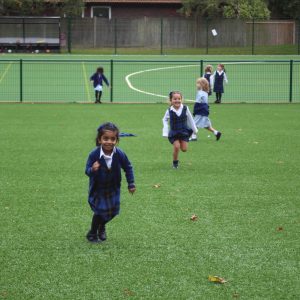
<point x="140" y="81"/>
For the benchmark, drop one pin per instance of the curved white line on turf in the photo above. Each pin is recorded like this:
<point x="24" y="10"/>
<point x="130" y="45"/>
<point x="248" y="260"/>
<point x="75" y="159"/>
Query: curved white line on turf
<point x="152" y="70"/>
<point x="165" y="68"/>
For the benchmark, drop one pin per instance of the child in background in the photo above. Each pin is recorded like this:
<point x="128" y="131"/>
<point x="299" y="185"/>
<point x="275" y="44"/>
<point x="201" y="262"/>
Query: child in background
<point x="208" y="71"/>
<point x="217" y="81"/>
<point x="181" y="125"/>
<point x="97" y="79"/>
<point x="201" y="109"/>
<point x="104" y="170"/>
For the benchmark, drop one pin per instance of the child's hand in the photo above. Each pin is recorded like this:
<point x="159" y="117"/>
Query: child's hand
<point x="131" y="190"/>
<point x="96" y="166"/>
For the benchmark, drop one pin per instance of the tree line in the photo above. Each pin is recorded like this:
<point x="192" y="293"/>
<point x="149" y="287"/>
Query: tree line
<point x="238" y="9"/>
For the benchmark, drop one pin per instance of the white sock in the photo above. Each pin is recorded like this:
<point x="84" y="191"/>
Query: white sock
<point x="194" y="136"/>
<point x="215" y="132"/>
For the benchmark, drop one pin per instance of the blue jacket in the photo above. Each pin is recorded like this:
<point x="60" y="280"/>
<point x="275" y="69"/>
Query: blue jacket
<point x="104" y="185"/>
<point x="98" y="79"/>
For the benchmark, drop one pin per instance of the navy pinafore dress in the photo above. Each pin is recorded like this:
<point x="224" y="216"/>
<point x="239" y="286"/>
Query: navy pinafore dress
<point x="219" y="83"/>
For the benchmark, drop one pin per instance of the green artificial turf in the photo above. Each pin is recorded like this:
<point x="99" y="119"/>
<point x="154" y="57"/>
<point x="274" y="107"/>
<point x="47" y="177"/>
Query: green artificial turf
<point x="145" y="79"/>
<point x="244" y="190"/>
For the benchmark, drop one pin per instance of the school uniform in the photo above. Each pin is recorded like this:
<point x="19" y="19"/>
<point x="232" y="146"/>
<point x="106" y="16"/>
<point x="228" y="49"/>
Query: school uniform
<point x="201" y="110"/>
<point x="217" y="81"/>
<point x="98" y="79"/>
<point x="207" y="77"/>
<point x="182" y="124"/>
<point x="105" y="184"/>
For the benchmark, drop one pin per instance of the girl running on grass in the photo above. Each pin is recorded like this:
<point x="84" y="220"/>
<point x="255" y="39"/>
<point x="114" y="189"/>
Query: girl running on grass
<point x="201" y="109"/>
<point x="182" y="125"/>
<point x="217" y="81"/>
<point x="97" y="80"/>
<point x="104" y="170"/>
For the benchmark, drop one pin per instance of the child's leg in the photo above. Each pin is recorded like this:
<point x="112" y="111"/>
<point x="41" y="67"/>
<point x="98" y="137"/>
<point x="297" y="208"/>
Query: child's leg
<point x="176" y="148"/>
<point x="215" y="132"/>
<point x="99" y="96"/>
<point x="96" y="221"/>
<point x="220" y="97"/>
<point x="96" y="95"/>
<point x="183" y="146"/>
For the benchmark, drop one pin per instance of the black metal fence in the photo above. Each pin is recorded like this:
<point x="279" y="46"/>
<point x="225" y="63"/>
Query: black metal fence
<point x="140" y="81"/>
<point x="181" y="36"/>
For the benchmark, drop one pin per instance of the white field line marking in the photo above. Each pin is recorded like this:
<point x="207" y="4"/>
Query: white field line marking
<point x="5" y="71"/>
<point x="130" y="85"/>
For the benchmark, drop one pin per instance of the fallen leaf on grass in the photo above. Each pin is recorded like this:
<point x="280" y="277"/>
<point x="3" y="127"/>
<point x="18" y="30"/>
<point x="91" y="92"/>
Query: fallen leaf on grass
<point x="255" y="142"/>
<point x="194" y="217"/>
<point x="216" y="279"/>
<point x="279" y="228"/>
<point x="235" y="295"/>
<point x="157" y="185"/>
<point x="280" y="162"/>
<point x="128" y="292"/>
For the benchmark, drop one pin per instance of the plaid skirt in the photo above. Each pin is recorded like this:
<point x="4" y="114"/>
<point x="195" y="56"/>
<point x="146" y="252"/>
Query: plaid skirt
<point x="106" y="203"/>
<point x="181" y="135"/>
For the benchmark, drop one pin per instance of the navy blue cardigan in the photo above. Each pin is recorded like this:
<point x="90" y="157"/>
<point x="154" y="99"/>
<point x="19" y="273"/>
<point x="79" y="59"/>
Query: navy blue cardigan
<point x="98" y="80"/>
<point x="119" y="161"/>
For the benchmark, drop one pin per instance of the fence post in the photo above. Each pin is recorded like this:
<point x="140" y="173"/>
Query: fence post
<point x="253" y="37"/>
<point x="201" y="67"/>
<point x="115" y="37"/>
<point x="161" y="36"/>
<point x="21" y="80"/>
<point x="206" y="35"/>
<point x="111" y="80"/>
<point x="291" y="80"/>
<point x="69" y="35"/>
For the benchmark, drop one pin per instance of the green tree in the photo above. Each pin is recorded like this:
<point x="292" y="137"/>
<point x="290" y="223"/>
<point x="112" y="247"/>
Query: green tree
<point x="41" y="7"/>
<point x="285" y="8"/>
<point x="239" y="9"/>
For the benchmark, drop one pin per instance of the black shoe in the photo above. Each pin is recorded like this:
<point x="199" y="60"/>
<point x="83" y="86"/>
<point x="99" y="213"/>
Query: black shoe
<point x="218" y="136"/>
<point x="92" y="237"/>
<point x="102" y="232"/>
<point x="175" y="164"/>
<point x="218" y="102"/>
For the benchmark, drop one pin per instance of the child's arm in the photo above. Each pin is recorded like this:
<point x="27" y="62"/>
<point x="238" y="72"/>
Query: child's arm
<point x="190" y="121"/>
<point x="105" y="80"/>
<point x="165" y="121"/>
<point x="225" y="78"/>
<point x="127" y="167"/>
<point x="92" y="77"/>
<point x="92" y="165"/>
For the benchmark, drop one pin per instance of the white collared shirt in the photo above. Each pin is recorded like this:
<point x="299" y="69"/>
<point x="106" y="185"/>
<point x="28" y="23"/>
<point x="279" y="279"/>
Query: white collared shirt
<point x="212" y="78"/>
<point x="190" y="121"/>
<point x="107" y="158"/>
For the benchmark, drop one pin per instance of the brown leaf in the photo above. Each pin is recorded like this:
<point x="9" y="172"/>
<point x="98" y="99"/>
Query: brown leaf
<point x="157" y="185"/>
<point x="235" y="295"/>
<point x="128" y="292"/>
<point x="216" y="279"/>
<point x="194" y="218"/>
<point x="279" y="228"/>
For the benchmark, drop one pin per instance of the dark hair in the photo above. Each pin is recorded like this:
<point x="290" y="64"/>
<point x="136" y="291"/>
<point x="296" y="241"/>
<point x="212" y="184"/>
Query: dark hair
<point x="108" y="126"/>
<point x="174" y="92"/>
<point x="100" y="70"/>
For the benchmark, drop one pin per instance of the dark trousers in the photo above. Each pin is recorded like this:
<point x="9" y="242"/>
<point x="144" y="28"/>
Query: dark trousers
<point x="96" y="223"/>
<point x="98" y="95"/>
<point x="219" y="97"/>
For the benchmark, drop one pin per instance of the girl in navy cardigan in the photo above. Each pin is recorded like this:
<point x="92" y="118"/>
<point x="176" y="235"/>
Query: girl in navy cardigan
<point x="97" y="80"/>
<point x="181" y="125"/>
<point x="201" y="109"/>
<point x="103" y="167"/>
<point x="217" y="81"/>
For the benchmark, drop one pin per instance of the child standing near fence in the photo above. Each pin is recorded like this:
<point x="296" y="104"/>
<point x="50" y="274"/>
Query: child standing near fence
<point x="217" y="81"/>
<point x="207" y="74"/>
<point x="201" y="109"/>
<point x="182" y="125"/>
<point x="97" y="79"/>
<point x="104" y="170"/>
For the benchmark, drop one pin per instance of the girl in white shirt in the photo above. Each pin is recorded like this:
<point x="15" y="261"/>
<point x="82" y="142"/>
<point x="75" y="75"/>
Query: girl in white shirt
<point x="182" y="125"/>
